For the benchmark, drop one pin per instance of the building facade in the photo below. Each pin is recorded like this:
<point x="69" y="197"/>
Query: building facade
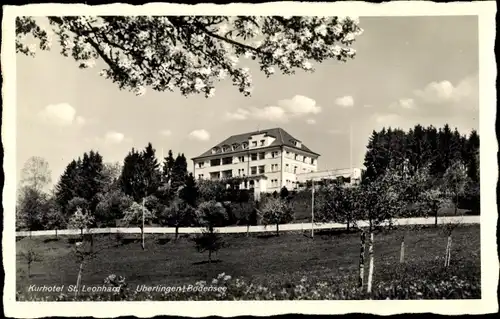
<point x="266" y="159"/>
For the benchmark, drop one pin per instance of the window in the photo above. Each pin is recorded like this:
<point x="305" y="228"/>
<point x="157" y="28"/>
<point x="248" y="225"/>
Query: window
<point x="215" y="162"/>
<point x="235" y="146"/>
<point x="227" y="174"/>
<point x="274" y="154"/>
<point x="215" y="175"/>
<point x="295" y="169"/>
<point x="262" y="142"/>
<point x="200" y="176"/>
<point x="214" y="150"/>
<point x="296" y="157"/>
<point x="262" y="169"/>
<point x="312" y="161"/>
<point x="254" y="144"/>
<point x="262" y="156"/>
<point x="227" y="160"/>
<point x="287" y="168"/>
<point x="241" y="171"/>
<point x="253" y="170"/>
<point x="225" y="149"/>
<point x="241" y="159"/>
<point x="274" y="167"/>
<point x="254" y="156"/>
<point x="245" y="145"/>
<point x="200" y="165"/>
<point x="304" y="159"/>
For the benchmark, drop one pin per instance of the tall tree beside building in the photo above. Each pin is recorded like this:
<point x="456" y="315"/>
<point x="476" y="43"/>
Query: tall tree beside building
<point x="140" y="175"/>
<point x="189" y="193"/>
<point x="179" y="172"/>
<point x="168" y="165"/>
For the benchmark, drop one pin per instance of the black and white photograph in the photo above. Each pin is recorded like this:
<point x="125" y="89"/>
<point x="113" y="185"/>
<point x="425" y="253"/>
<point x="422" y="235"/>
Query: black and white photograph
<point x="249" y="152"/>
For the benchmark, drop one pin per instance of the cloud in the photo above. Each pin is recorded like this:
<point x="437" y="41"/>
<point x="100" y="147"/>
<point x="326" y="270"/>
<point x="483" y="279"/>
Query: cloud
<point x="299" y="105"/>
<point x="405" y="103"/>
<point x="269" y="113"/>
<point x="80" y="120"/>
<point x="166" y="132"/>
<point x="113" y="137"/>
<point x="389" y="119"/>
<point x="311" y="121"/>
<point x="445" y="91"/>
<point x="345" y="101"/>
<point x="201" y="135"/>
<point x="61" y="114"/>
<point x="239" y="115"/>
<point x="285" y="109"/>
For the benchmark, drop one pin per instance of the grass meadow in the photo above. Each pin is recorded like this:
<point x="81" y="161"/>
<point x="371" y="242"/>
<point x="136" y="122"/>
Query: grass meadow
<point x="260" y="259"/>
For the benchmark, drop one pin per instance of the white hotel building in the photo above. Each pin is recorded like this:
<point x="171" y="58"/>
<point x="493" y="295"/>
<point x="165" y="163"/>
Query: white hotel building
<point x="268" y="159"/>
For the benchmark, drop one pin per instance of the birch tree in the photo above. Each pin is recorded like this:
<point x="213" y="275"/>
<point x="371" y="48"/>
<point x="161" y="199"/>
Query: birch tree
<point x="191" y="53"/>
<point x="378" y="201"/>
<point x="138" y="215"/>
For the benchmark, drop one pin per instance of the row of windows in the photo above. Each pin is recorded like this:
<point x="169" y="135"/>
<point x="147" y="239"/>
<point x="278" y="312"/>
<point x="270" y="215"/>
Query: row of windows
<point x="261" y="169"/>
<point x="255" y="157"/>
<point x="244" y="145"/>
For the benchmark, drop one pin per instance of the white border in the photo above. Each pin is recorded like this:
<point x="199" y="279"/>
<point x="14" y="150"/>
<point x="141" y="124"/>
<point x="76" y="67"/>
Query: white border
<point x="489" y="171"/>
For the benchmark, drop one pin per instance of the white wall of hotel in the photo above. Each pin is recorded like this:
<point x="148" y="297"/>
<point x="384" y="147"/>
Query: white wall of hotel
<point x="267" y="168"/>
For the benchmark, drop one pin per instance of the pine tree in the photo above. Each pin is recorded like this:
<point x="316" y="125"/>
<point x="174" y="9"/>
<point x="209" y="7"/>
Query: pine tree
<point x="130" y="179"/>
<point x="189" y="193"/>
<point x="472" y="158"/>
<point x="152" y="175"/>
<point x="140" y="175"/>
<point x="168" y="165"/>
<point x="67" y="187"/>
<point x="91" y="179"/>
<point x="178" y="173"/>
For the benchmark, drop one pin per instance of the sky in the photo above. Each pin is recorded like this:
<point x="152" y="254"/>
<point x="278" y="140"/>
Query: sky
<point x="407" y="71"/>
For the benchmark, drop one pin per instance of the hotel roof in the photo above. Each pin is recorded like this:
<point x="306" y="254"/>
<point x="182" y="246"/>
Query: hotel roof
<point x="282" y="138"/>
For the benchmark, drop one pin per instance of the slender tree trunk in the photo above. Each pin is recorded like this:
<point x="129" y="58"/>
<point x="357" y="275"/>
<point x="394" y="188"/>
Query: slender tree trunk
<point x="81" y="233"/>
<point x="277" y="230"/>
<point x="448" y="252"/>
<point x="142" y="238"/>
<point x="248" y="229"/>
<point x="370" y="269"/>
<point x="176" y="232"/>
<point x="29" y="270"/>
<point x="362" y="260"/>
<point x="456" y="203"/>
<point x="348" y="225"/>
<point x="79" y="279"/>
<point x="402" y="253"/>
<point x="436" y="217"/>
<point x="30" y="233"/>
<point x="56" y="233"/>
<point x="142" y="228"/>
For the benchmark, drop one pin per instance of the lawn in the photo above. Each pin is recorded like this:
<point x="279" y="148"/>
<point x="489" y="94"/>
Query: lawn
<point x="259" y="259"/>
